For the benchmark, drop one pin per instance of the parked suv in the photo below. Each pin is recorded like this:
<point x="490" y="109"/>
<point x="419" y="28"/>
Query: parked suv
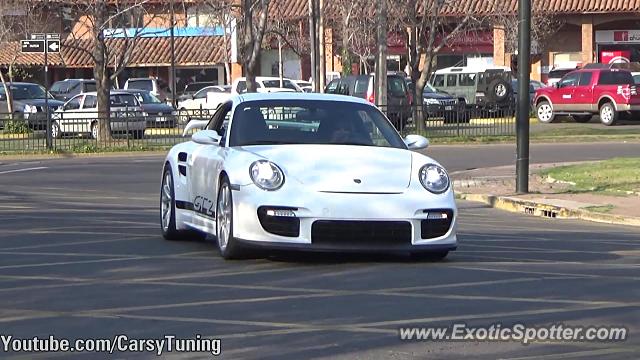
<point x="399" y="98"/>
<point x="66" y="89"/>
<point x="481" y="87"/>
<point x="28" y="104"/>
<point x="584" y="93"/>
<point x="155" y="86"/>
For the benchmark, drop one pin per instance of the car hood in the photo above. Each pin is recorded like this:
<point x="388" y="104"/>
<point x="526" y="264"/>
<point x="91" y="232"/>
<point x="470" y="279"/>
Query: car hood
<point x="157" y="108"/>
<point x="437" y="95"/>
<point x="337" y="168"/>
<point x="37" y="102"/>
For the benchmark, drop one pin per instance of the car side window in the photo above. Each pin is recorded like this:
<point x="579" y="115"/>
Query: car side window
<point x="332" y="87"/>
<point x="73" y="104"/>
<point x="467" y="79"/>
<point x="74" y="89"/>
<point x="569" y="80"/>
<point x="201" y="94"/>
<point x="90" y="102"/>
<point x="60" y="87"/>
<point x="452" y="80"/>
<point x="585" y="78"/>
<point x="438" y="81"/>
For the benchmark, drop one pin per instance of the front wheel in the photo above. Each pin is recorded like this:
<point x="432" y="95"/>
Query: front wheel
<point x="56" y="133"/>
<point x="94" y="130"/>
<point x="544" y="112"/>
<point x="228" y="246"/>
<point x="608" y="114"/>
<point x="137" y="134"/>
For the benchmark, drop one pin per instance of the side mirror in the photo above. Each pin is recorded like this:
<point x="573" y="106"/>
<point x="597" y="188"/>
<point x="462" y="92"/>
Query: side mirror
<point x="206" y="137"/>
<point x="557" y="85"/>
<point x="194" y="124"/>
<point x="416" y="142"/>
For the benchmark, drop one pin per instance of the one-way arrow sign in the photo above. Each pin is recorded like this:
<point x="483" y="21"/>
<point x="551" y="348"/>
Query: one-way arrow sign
<point x="53" y="46"/>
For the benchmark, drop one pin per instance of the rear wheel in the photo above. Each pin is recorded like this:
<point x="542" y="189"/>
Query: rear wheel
<point x="582" y="118"/>
<point x="56" y="133"/>
<point x="544" y="112"/>
<point x="94" y="130"/>
<point x="168" y="211"/>
<point x="608" y="114"/>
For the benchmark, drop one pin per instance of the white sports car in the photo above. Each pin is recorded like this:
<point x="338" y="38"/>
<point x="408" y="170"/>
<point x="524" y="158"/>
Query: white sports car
<point x="307" y="171"/>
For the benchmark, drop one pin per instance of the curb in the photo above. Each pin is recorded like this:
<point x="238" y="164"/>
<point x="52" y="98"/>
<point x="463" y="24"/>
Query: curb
<point x="114" y="154"/>
<point x="529" y="207"/>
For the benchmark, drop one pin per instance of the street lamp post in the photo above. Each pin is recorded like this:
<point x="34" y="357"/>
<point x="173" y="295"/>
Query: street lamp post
<point x="173" y="57"/>
<point x="522" y="119"/>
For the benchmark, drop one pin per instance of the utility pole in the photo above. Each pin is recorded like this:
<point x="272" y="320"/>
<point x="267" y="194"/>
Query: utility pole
<point x="381" y="57"/>
<point x="173" y="58"/>
<point x="322" y="47"/>
<point x="522" y="119"/>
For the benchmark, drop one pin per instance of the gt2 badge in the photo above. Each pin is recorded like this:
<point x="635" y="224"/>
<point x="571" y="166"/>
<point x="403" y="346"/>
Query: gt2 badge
<point x="204" y="206"/>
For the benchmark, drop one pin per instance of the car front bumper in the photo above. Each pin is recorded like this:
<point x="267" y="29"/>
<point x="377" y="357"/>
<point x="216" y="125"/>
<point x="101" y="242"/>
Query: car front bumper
<point x="369" y="218"/>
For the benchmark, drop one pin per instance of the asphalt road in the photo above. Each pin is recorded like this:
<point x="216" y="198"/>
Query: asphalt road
<point x="81" y="256"/>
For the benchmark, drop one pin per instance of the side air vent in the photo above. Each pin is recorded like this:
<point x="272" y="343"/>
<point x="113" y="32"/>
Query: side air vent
<point x="182" y="169"/>
<point x="182" y="157"/>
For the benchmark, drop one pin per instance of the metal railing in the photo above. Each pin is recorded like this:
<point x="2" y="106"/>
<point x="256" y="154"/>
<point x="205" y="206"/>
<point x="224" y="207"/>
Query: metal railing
<point x="452" y="120"/>
<point x="79" y="133"/>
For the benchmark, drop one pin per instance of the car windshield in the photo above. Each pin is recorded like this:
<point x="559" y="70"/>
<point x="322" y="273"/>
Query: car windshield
<point x="141" y="84"/>
<point x="194" y="87"/>
<point x="25" y="92"/>
<point x="276" y="84"/>
<point x="123" y="100"/>
<point x="558" y="74"/>
<point x="147" y="98"/>
<point x="311" y="122"/>
<point x="428" y="89"/>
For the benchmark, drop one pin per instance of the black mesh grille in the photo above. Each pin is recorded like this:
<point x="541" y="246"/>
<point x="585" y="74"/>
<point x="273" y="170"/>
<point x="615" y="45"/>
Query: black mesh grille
<point x="341" y="233"/>
<point x="436" y="225"/>
<point x="279" y="225"/>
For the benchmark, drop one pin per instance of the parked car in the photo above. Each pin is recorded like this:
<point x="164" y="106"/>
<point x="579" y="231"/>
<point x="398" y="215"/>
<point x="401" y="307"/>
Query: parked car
<point x="193" y="88"/>
<point x="80" y="115"/>
<point x="485" y="88"/>
<point x="64" y="90"/>
<point x="266" y="84"/>
<point x="28" y="104"/>
<point x="399" y="99"/>
<point x="154" y="85"/>
<point x="203" y="103"/>
<point x="306" y="86"/>
<point x="534" y="85"/>
<point x="584" y="93"/>
<point x="158" y="114"/>
<point x="559" y="72"/>
<point x="438" y="104"/>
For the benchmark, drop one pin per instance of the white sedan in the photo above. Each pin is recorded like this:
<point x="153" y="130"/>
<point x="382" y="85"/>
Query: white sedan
<point x="307" y="171"/>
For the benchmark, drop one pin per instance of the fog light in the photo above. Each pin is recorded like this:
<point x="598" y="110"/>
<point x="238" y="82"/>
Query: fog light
<point x="281" y="213"/>
<point x="437" y="215"/>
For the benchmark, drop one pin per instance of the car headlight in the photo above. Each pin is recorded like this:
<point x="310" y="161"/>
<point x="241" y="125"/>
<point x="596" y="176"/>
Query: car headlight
<point x="266" y="175"/>
<point x="30" y="109"/>
<point x="434" y="178"/>
<point x="431" y="102"/>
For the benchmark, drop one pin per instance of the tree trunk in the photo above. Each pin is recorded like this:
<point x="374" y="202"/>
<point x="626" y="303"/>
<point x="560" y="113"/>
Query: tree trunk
<point x="7" y="91"/>
<point x="100" y="72"/>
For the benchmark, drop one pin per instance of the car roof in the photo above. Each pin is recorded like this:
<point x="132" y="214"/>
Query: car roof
<point x="470" y="69"/>
<point x="138" y="79"/>
<point x="113" y="92"/>
<point x="93" y="80"/>
<point x="22" y="83"/>
<point x="297" y="96"/>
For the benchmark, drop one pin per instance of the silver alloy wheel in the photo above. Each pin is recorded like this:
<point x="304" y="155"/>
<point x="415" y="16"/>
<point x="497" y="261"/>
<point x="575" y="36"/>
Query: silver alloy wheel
<point x="606" y="114"/>
<point x="501" y="90"/>
<point x="545" y="113"/>
<point x="166" y="201"/>
<point x="94" y="130"/>
<point x="55" y="130"/>
<point x="223" y="216"/>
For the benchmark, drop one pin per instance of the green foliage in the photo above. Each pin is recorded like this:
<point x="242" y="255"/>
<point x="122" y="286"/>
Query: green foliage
<point x="616" y="176"/>
<point x="16" y="127"/>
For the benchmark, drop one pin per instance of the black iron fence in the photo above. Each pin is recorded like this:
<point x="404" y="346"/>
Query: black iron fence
<point x="452" y="120"/>
<point x="79" y="132"/>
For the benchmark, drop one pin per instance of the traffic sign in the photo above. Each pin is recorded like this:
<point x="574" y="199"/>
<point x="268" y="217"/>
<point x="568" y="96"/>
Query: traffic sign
<point x="53" y="46"/>
<point x="38" y="36"/>
<point x="52" y="36"/>
<point x="32" y="46"/>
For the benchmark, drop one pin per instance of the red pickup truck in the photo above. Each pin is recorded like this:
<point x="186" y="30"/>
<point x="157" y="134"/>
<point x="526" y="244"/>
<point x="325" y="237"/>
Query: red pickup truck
<point x="584" y="93"/>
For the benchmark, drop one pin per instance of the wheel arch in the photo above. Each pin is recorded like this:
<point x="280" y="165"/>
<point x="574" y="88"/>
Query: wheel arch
<point x="607" y="99"/>
<point x="543" y="98"/>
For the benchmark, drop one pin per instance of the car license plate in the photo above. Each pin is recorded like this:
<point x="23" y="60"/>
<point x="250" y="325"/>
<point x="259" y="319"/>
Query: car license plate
<point x="448" y="108"/>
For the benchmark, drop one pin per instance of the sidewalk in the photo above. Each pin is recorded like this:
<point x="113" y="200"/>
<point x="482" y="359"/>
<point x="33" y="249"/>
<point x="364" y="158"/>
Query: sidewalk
<point x="547" y="198"/>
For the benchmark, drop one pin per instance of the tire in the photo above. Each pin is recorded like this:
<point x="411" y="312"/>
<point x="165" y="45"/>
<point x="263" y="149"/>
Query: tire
<point x="56" y="133"/>
<point x="94" y="130"/>
<point x="608" y="114"/>
<point x="168" y="211"/>
<point x="137" y="134"/>
<point x="544" y="112"/>
<point x="582" y="118"/>
<point x="429" y="256"/>
<point x="228" y="246"/>
<point x="499" y="90"/>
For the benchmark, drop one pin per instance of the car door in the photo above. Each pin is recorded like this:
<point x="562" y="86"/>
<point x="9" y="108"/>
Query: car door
<point x="563" y="99"/>
<point x="204" y="165"/>
<point x="70" y="114"/>
<point x="88" y="112"/>
<point x="583" y="93"/>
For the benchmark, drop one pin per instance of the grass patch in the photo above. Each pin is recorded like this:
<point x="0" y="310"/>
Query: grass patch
<point x="615" y="176"/>
<point x="603" y="209"/>
<point x="585" y="130"/>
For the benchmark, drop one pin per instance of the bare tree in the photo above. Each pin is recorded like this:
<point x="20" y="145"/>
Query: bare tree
<point x="252" y="26"/>
<point x="17" y="19"/>
<point x="108" y="32"/>
<point x="428" y="31"/>
<point x="543" y="26"/>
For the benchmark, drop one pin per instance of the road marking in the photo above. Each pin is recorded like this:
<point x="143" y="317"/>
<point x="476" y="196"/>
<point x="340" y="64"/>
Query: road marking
<point x="23" y="170"/>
